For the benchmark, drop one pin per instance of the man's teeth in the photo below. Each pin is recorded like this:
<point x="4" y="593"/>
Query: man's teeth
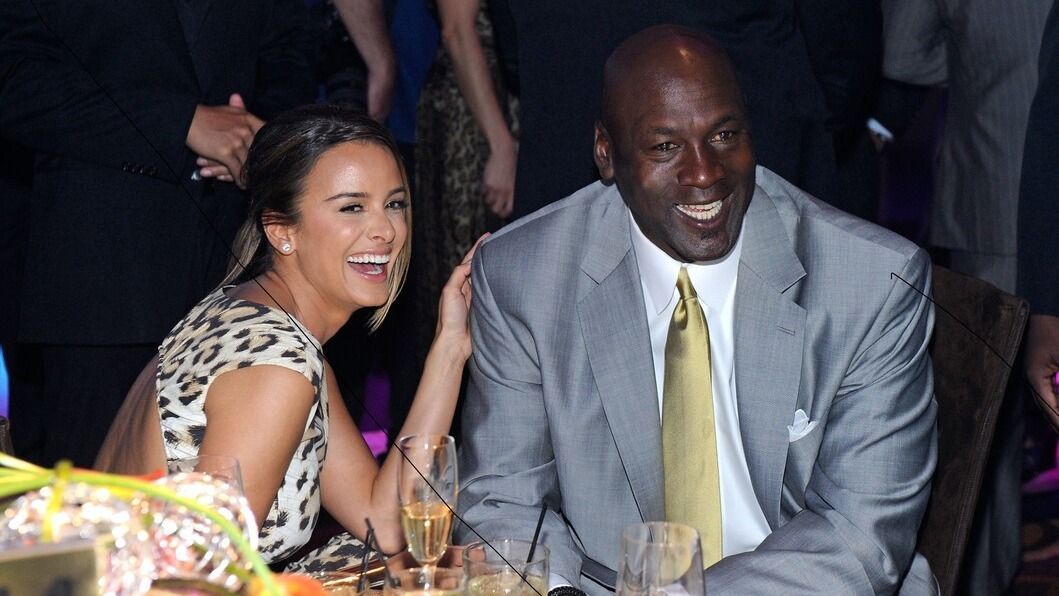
<point x="701" y="212"/>
<point x="368" y="259"/>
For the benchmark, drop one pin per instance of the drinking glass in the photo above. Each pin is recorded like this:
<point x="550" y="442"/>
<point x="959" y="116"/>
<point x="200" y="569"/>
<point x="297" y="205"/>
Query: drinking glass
<point x="425" y="581"/>
<point x="223" y="467"/>
<point x="660" y="558"/>
<point x="501" y="568"/>
<point x="427" y="489"/>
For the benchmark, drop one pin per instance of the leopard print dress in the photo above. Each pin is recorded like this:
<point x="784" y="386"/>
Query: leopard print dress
<point x="222" y="334"/>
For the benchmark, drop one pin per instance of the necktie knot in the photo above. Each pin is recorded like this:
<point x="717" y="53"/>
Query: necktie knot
<point x="684" y="287"/>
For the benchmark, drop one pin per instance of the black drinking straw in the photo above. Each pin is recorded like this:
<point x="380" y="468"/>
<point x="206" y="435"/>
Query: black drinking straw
<point x="364" y="559"/>
<point x="536" y="533"/>
<point x="385" y="568"/>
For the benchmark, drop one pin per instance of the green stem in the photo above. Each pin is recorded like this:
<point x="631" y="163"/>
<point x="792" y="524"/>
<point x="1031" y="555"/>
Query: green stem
<point x="23" y="485"/>
<point x="9" y="461"/>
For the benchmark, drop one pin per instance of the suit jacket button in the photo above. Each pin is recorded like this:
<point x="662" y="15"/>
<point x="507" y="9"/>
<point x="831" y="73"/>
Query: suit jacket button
<point x="125" y="166"/>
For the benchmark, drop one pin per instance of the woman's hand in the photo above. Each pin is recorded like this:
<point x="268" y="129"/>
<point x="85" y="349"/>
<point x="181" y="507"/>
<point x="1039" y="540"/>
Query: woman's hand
<point x="455" y="304"/>
<point x="498" y="179"/>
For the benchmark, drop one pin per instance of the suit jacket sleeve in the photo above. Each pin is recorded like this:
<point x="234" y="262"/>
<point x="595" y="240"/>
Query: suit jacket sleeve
<point x="52" y="101"/>
<point x="871" y="481"/>
<point x="914" y="42"/>
<point x="285" y="65"/>
<point x="506" y="460"/>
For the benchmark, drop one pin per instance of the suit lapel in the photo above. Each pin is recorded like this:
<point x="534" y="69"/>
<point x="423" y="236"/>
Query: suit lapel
<point x="614" y="326"/>
<point x="201" y="18"/>
<point x="769" y="338"/>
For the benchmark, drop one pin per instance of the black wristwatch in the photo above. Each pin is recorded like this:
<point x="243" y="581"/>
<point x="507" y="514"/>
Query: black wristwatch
<point x="566" y="591"/>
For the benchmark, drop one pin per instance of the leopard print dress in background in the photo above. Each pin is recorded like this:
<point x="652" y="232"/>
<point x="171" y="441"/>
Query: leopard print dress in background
<point x="222" y="334"/>
<point x="449" y="211"/>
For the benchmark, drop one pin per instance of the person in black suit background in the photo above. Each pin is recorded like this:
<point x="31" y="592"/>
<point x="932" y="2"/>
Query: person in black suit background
<point x="764" y="38"/>
<point x="140" y="114"/>
<point x="1038" y="228"/>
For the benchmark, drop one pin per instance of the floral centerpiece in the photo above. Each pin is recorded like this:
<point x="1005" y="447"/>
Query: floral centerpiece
<point x="150" y="526"/>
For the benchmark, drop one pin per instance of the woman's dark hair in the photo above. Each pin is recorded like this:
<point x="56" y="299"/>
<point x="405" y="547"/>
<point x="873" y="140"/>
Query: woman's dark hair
<point x="283" y="153"/>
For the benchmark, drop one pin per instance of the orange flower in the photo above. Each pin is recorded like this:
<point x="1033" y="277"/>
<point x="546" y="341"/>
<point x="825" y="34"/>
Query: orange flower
<point x="291" y="584"/>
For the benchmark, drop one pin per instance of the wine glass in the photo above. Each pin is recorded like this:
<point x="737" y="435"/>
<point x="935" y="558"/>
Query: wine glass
<point x="660" y="558"/>
<point x="427" y="488"/>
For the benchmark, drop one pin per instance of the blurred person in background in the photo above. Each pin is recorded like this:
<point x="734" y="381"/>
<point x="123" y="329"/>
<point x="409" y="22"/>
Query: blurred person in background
<point x="140" y="114"/>
<point x="465" y="155"/>
<point x="985" y="52"/>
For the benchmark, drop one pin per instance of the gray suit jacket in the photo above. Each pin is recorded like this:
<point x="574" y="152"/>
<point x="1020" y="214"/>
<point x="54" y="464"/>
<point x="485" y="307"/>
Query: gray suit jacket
<point x="985" y="51"/>
<point x="562" y="406"/>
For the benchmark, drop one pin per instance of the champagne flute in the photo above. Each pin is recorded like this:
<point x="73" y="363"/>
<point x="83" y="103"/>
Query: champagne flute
<point x="425" y="581"/>
<point x="660" y="558"/>
<point x="427" y="489"/>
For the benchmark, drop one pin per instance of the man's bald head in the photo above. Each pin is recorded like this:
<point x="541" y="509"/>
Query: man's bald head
<point x="649" y="58"/>
<point x="675" y="139"/>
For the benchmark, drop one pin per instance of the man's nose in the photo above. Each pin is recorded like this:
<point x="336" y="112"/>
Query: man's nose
<point x="700" y="167"/>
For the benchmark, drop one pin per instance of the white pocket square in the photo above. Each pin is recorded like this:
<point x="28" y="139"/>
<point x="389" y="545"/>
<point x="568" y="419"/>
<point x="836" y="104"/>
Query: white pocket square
<point x="801" y="426"/>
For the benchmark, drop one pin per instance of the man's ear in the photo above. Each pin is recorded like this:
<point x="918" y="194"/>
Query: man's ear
<point x="280" y="235"/>
<point x="602" y="153"/>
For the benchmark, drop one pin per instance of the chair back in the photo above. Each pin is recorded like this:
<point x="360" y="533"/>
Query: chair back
<point x="977" y="333"/>
<point x="134" y="442"/>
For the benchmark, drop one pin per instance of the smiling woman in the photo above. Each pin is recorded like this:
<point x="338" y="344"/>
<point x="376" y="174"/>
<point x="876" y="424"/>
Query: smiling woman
<point x="243" y="373"/>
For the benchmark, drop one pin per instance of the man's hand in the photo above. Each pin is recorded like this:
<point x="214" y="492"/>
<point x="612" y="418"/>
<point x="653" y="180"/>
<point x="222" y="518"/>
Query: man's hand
<point x="221" y="136"/>
<point x="1042" y="363"/>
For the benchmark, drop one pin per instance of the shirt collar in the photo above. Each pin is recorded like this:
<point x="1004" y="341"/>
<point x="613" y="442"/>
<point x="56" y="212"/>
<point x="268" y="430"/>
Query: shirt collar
<point x="713" y="280"/>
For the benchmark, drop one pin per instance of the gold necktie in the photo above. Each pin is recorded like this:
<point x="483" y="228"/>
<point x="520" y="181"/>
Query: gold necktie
<point x="689" y="442"/>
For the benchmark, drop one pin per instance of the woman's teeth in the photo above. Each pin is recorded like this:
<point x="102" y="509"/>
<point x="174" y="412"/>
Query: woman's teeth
<point x="370" y="264"/>
<point x="702" y="212"/>
<point x="368" y="258"/>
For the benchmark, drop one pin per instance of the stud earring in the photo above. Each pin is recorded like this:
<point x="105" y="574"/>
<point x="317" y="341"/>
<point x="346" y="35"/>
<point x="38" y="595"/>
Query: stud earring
<point x="286" y="247"/>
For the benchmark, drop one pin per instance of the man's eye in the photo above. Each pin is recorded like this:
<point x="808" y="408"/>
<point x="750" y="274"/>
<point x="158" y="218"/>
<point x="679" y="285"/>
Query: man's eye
<point x="725" y="136"/>
<point x="666" y="146"/>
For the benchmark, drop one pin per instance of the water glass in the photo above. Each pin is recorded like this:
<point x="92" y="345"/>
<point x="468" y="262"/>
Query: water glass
<point x="501" y="568"/>
<point x="660" y="558"/>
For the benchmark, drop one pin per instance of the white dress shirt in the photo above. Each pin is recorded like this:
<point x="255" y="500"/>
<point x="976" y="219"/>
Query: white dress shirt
<point x="744" y="524"/>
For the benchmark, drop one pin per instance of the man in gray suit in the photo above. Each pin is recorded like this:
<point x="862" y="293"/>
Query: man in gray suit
<point x="821" y="398"/>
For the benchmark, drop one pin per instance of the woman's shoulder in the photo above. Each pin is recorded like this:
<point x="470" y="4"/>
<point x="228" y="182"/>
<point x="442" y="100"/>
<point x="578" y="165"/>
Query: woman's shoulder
<point x="226" y="332"/>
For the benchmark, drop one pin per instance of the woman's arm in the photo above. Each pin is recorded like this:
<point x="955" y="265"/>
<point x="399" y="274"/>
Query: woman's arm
<point x="365" y="21"/>
<point x="258" y="415"/>
<point x="352" y="487"/>
<point x="461" y="41"/>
